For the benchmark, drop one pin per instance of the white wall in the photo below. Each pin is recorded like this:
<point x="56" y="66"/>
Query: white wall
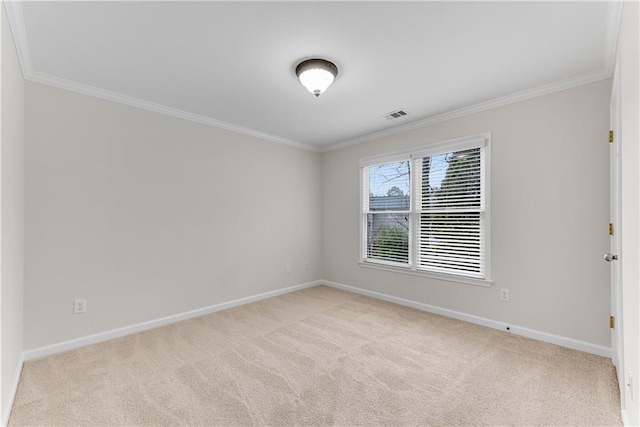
<point x="12" y="216"/>
<point x="627" y="57"/>
<point x="148" y="216"/>
<point x="550" y="195"/>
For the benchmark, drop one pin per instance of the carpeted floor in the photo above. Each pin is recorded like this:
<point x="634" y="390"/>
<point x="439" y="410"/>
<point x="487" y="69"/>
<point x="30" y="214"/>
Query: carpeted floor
<point x="319" y="357"/>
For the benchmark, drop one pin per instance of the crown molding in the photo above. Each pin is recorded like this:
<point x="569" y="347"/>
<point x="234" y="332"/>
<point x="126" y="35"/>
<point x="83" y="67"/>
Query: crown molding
<point x="159" y="108"/>
<point x="477" y="108"/>
<point x="19" y="33"/>
<point x="614" y="16"/>
<point x="18" y="30"/>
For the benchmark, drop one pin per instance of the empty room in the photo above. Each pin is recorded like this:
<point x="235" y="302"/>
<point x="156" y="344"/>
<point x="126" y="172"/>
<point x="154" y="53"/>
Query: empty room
<point x="373" y="213"/>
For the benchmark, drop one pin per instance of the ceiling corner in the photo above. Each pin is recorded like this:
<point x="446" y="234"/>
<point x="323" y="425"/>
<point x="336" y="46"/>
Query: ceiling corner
<point x="614" y="15"/>
<point x="490" y="104"/>
<point x="159" y="108"/>
<point x="19" y="32"/>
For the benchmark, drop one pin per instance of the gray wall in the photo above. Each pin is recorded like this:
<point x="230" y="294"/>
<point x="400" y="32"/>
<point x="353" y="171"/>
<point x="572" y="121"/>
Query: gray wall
<point x="148" y="216"/>
<point x="12" y="215"/>
<point x="550" y="209"/>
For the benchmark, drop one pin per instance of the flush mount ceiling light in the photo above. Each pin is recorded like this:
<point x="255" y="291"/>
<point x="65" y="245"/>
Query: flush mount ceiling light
<point x="316" y="74"/>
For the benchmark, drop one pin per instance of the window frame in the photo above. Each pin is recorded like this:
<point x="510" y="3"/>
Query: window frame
<point x="482" y="141"/>
<point x="363" y="215"/>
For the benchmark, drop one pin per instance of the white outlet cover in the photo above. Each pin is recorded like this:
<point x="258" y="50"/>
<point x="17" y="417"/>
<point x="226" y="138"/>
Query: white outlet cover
<point x="79" y="305"/>
<point x="504" y="295"/>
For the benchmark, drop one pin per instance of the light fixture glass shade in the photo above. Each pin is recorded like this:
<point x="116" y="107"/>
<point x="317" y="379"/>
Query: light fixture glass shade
<point x="316" y="75"/>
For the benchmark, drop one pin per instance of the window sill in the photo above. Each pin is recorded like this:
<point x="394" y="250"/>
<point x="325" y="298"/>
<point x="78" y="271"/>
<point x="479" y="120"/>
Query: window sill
<point x="449" y="278"/>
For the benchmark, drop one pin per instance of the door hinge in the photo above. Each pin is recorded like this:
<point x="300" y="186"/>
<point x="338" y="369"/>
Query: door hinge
<point x="610" y="136"/>
<point x="610" y="229"/>
<point x="612" y="322"/>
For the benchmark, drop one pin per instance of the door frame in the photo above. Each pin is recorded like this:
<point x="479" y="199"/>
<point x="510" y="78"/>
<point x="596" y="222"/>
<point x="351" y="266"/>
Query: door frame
<point x="617" y="344"/>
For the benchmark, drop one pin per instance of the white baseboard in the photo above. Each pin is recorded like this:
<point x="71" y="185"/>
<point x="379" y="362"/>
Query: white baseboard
<point x="518" y="330"/>
<point x="625" y="418"/>
<point x="6" y="411"/>
<point x="128" y="330"/>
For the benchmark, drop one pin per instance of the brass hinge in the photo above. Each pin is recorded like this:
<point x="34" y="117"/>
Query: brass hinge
<point x="610" y="136"/>
<point x="612" y="322"/>
<point x="610" y="229"/>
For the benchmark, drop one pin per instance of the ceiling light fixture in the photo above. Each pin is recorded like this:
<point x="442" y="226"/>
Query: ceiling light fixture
<point x="316" y="74"/>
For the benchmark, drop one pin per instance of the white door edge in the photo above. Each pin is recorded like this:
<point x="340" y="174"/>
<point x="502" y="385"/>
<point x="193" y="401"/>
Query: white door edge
<point x="617" y="344"/>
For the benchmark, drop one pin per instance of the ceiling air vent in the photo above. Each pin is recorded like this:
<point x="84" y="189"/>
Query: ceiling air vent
<point x="395" y="114"/>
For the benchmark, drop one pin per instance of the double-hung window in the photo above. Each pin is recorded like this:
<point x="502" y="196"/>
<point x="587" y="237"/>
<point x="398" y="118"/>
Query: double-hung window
<point x="427" y="210"/>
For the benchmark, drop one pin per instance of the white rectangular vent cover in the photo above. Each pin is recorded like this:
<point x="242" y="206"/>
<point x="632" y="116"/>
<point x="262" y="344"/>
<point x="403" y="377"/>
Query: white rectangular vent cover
<point x="395" y="114"/>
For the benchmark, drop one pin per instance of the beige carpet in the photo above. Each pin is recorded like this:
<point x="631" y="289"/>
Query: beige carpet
<point x="319" y="357"/>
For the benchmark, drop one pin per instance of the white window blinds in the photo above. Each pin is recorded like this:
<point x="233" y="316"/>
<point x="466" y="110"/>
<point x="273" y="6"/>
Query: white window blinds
<point x="451" y="209"/>
<point x="387" y="205"/>
<point x="428" y="213"/>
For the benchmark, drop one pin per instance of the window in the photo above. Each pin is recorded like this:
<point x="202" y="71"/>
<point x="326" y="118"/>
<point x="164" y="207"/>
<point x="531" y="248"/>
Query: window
<point x="427" y="210"/>
<point x="388" y="201"/>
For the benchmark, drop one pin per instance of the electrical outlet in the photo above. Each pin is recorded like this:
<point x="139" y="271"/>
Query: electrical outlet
<point x="287" y="268"/>
<point x="79" y="305"/>
<point x="306" y="266"/>
<point x="504" y="295"/>
<point x="630" y="385"/>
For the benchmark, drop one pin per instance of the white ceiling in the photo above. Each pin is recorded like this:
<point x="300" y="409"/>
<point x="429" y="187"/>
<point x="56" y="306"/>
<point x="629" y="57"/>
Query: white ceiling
<point x="231" y="64"/>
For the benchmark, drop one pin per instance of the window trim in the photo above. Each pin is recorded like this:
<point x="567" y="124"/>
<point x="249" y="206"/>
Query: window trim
<point x="487" y="283"/>
<point x="479" y="140"/>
